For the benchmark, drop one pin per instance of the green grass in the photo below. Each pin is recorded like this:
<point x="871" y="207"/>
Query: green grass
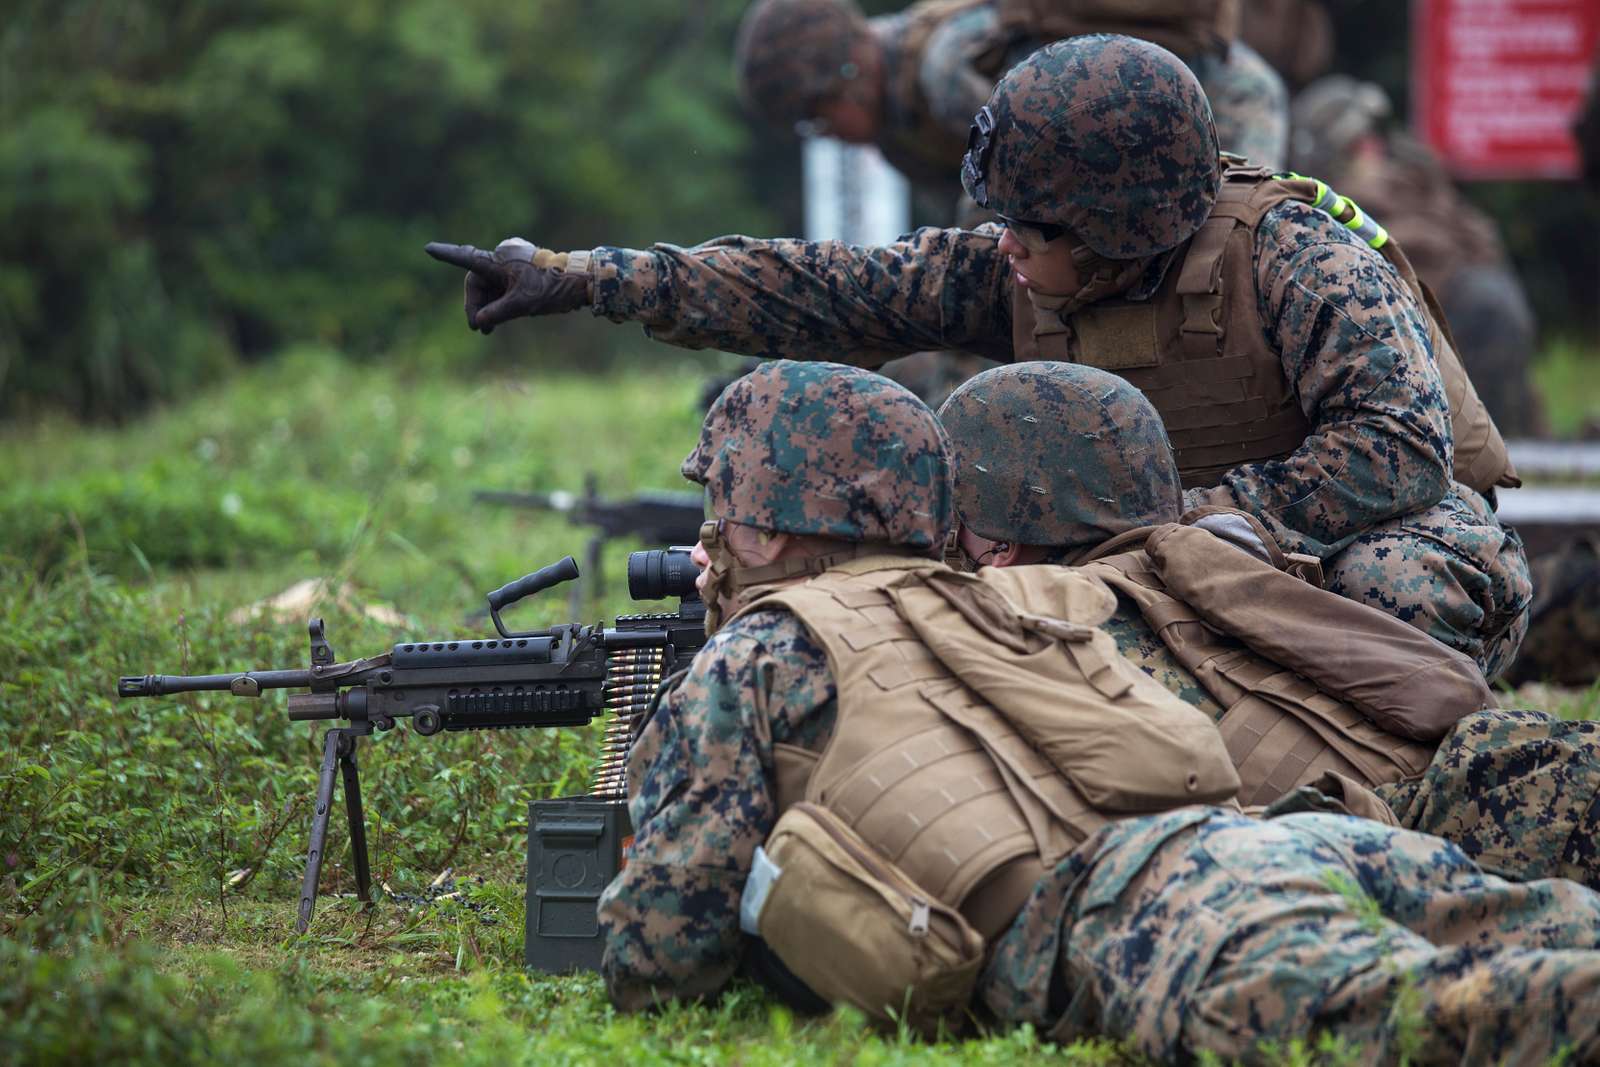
<point x="150" y="851"/>
<point x="1568" y="378"/>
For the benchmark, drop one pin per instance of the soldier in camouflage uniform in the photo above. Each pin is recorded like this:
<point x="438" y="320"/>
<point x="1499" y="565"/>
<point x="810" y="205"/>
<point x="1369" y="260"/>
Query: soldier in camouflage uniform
<point x="1193" y="931"/>
<point x="815" y="473"/>
<point x="1061" y="463"/>
<point x="1341" y="137"/>
<point x="910" y="82"/>
<point x="1293" y="364"/>
<point x="1294" y="36"/>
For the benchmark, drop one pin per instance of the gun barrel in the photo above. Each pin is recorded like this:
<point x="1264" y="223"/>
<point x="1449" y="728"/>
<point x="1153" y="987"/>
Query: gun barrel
<point x="156" y="685"/>
<point x="537" y="501"/>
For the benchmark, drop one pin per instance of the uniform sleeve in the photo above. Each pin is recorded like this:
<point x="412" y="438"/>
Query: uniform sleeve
<point x="952" y="89"/>
<point x="701" y="799"/>
<point x="935" y="289"/>
<point x="1355" y="344"/>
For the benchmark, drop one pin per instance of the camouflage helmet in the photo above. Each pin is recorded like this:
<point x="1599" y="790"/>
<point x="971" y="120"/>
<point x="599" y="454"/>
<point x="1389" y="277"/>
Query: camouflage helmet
<point x="827" y="450"/>
<point x="1058" y="454"/>
<point x="1108" y="136"/>
<point x="1330" y="115"/>
<point x="792" y="54"/>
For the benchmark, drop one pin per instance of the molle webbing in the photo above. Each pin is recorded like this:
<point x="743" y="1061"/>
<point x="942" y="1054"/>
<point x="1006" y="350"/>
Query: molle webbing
<point x="1198" y="351"/>
<point x="1280" y="730"/>
<point x="920" y="767"/>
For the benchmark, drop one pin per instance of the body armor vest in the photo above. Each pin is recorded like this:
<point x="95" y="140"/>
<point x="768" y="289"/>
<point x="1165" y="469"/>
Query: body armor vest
<point x="920" y="148"/>
<point x="1189" y="28"/>
<point x="931" y="774"/>
<point x="1282" y="732"/>
<point x="1198" y="351"/>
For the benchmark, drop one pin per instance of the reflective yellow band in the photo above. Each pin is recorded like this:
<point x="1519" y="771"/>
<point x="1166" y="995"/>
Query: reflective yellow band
<point x="1368" y="229"/>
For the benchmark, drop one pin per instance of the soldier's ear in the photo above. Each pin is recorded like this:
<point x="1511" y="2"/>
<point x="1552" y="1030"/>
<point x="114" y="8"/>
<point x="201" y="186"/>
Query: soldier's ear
<point x="1007" y="554"/>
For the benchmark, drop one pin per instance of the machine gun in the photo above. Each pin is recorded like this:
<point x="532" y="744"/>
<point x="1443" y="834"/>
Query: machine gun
<point x="563" y="676"/>
<point x="655" y="516"/>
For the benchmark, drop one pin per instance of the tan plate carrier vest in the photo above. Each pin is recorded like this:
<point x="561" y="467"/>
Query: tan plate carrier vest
<point x="921" y="767"/>
<point x="927" y="152"/>
<point x="1282" y="732"/>
<point x="1198" y="351"/>
<point x="1188" y="27"/>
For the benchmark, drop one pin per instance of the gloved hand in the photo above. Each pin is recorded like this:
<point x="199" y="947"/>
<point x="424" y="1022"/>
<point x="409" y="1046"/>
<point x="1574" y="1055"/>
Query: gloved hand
<point x="517" y="278"/>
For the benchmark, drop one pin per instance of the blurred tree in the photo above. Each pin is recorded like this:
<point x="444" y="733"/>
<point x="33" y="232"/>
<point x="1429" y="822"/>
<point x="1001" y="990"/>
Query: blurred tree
<point x="185" y="182"/>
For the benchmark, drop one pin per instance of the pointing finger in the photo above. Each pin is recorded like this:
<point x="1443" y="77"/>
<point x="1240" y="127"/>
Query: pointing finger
<point x="464" y="256"/>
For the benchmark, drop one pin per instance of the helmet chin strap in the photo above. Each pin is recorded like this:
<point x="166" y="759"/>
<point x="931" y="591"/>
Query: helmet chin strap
<point x="1106" y="277"/>
<point x="732" y="583"/>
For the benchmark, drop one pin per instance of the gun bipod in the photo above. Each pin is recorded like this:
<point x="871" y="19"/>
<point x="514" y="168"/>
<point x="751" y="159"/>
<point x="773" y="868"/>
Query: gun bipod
<point x="338" y="750"/>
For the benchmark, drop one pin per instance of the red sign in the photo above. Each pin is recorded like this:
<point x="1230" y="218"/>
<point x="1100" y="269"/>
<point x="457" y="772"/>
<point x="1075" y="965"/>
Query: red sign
<point x="1496" y="83"/>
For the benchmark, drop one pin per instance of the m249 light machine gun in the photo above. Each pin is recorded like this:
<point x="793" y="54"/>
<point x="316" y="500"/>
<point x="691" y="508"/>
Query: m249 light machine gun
<point x="563" y="676"/>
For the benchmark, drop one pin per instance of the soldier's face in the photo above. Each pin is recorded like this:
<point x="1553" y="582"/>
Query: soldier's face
<point x="750" y="548"/>
<point x="1046" y="267"/>
<point x="848" y="119"/>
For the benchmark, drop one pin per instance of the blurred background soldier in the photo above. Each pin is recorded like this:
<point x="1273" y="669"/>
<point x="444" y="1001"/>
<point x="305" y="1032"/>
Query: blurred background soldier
<point x="911" y="82"/>
<point x="1295" y="36"/>
<point x="1341" y="134"/>
<point x="1281" y="337"/>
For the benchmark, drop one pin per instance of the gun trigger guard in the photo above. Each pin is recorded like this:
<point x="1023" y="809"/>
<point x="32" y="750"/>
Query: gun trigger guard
<point x="244" y="686"/>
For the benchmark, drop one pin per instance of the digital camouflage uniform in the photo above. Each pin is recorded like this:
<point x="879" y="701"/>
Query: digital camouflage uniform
<point x="1373" y="473"/>
<point x="1563" y="645"/>
<point x="810" y="449"/>
<point x="1247" y="931"/>
<point x="1341" y="135"/>
<point x="1201" y="930"/>
<point x="1069" y="457"/>
<point x="791" y="51"/>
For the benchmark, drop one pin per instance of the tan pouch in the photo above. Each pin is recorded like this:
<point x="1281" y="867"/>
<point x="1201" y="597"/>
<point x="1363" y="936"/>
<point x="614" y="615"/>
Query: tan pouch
<point x="1025" y="639"/>
<point x="857" y="930"/>
<point x="1398" y="677"/>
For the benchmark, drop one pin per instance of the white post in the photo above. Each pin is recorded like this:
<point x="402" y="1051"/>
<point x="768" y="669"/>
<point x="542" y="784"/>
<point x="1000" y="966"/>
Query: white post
<point x="852" y="194"/>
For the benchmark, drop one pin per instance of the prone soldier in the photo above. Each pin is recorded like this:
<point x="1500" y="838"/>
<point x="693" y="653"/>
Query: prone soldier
<point x="921" y="791"/>
<point x="1062" y="463"/>
<point x="1281" y="335"/>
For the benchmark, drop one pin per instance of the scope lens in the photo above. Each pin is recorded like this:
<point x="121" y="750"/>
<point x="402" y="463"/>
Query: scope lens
<point x="659" y="573"/>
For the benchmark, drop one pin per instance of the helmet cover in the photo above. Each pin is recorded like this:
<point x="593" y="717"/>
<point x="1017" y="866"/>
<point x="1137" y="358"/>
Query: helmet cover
<point x="1058" y="454"/>
<point x="827" y="450"/>
<point x="1106" y="135"/>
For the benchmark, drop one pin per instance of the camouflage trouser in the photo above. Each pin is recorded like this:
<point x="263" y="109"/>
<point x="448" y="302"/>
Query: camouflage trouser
<point x="1452" y="571"/>
<point x="1518" y="791"/>
<point x="1204" y="930"/>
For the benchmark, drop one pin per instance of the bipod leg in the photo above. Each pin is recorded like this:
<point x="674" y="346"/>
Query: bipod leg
<point x="319" y="828"/>
<point x="358" y="822"/>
